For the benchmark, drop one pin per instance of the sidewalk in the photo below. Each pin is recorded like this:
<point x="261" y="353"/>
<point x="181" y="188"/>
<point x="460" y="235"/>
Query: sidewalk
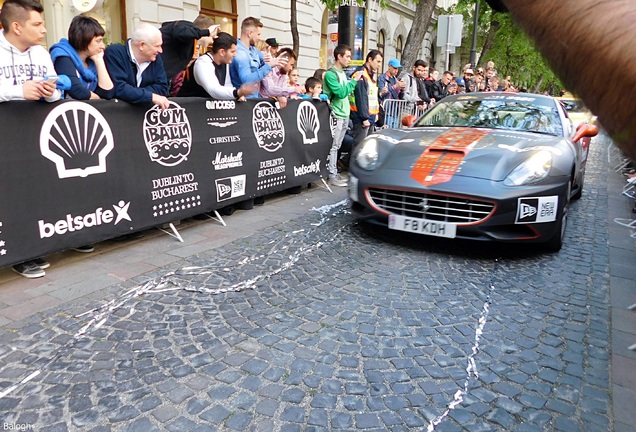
<point x="73" y="275"/>
<point x="622" y="273"/>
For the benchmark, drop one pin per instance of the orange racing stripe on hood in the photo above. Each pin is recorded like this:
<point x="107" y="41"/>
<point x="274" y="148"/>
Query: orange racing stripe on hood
<point x="440" y="161"/>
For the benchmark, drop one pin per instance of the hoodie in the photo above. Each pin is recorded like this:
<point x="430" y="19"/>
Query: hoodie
<point x="18" y="67"/>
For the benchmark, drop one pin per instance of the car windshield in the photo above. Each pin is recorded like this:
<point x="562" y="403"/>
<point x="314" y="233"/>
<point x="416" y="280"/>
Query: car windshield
<point x="509" y="112"/>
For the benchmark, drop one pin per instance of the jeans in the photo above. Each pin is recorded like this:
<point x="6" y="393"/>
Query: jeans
<point x="338" y="136"/>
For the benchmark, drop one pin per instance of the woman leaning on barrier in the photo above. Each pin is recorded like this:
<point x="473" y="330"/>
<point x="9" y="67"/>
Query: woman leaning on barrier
<point x="81" y="58"/>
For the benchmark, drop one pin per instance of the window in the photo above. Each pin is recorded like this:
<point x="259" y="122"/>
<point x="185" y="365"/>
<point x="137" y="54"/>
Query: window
<point x="223" y="12"/>
<point x="381" y="40"/>
<point x="399" y="45"/>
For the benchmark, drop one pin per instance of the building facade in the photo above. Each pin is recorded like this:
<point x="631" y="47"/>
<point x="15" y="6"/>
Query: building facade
<point x="386" y="29"/>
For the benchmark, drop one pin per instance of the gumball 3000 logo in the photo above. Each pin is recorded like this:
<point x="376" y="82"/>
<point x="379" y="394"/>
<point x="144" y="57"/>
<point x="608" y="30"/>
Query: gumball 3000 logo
<point x="167" y="134"/>
<point x="268" y="127"/>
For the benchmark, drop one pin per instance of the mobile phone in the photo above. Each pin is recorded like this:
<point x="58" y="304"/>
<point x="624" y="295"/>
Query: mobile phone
<point x="52" y="79"/>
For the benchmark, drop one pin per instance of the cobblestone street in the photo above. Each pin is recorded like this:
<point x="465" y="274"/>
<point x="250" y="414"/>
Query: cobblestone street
<point x="321" y="324"/>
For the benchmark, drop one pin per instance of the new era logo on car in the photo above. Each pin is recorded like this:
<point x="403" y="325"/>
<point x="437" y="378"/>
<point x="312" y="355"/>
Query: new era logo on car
<point x="537" y="210"/>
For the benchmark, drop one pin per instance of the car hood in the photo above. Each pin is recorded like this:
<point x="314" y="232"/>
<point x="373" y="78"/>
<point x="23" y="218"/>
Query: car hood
<point x="435" y="155"/>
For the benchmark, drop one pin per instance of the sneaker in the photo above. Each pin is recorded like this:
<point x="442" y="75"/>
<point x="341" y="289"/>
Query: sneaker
<point x="338" y="180"/>
<point x="28" y="269"/>
<point x="84" y="249"/>
<point x="43" y="264"/>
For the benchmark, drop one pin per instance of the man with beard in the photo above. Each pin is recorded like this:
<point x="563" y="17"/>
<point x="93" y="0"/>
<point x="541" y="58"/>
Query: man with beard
<point x="415" y="90"/>
<point x="250" y="65"/>
<point x="210" y="73"/>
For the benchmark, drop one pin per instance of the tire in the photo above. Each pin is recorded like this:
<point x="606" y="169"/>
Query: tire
<point x="556" y="242"/>
<point x="579" y="191"/>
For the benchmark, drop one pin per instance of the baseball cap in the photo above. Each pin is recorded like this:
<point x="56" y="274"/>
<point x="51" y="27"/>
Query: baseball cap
<point x="461" y="82"/>
<point x="395" y="63"/>
<point x="469" y="71"/>
<point x="272" y="42"/>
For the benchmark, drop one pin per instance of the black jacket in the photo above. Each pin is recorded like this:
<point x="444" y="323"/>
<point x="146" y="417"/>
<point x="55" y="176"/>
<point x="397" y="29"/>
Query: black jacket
<point x="178" y="44"/>
<point x="438" y="90"/>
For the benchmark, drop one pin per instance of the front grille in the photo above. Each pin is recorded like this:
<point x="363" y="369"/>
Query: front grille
<point x="430" y="206"/>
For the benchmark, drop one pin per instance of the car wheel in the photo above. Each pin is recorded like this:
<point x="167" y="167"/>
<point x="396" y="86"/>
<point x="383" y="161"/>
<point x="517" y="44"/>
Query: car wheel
<point x="579" y="191"/>
<point x="556" y="242"/>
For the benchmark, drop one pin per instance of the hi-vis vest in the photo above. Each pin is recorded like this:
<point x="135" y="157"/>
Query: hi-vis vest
<point x="374" y="105"/>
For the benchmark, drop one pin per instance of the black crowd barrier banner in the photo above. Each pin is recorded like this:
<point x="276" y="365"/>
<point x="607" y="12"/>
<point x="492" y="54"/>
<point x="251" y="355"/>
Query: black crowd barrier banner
<point x="77" y="173"/>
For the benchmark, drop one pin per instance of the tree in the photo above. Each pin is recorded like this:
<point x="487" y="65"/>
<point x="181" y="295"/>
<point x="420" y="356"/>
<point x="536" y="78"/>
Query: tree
<point x="294" y="27"/>
<point x="421" y="21"/>
<point x="507" y="45"/>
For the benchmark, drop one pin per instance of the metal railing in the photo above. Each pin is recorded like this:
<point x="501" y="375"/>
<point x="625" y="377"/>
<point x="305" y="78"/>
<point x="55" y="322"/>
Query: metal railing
<point x="395" y="110"/>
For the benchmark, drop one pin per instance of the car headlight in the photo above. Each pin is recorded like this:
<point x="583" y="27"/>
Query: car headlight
<point x="367" y="155"/>
<point x="534" y="169"/>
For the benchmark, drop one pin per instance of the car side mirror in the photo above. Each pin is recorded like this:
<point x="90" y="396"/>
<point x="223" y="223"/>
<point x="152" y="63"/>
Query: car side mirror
<point x="585" y="130"/>
<point x="409" y="120"/>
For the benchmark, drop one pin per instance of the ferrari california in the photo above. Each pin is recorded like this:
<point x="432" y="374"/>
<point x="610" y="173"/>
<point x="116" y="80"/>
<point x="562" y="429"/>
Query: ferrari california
<point x="481" y="166"/>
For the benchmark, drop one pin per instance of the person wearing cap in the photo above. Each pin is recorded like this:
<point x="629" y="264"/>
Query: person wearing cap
<point x="389" y="87"/>
<point x="388" y="83"/>
<point x="273" y="46"/>
<point x="467" y="77"/>
<point x="461" y="85"/>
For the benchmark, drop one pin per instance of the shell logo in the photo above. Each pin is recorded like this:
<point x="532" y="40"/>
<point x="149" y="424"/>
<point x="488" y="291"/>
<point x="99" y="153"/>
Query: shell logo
<point x="307" y="122"/>
<point x="333" y="37"/>
<point x="268" y="127"/>
<point x="76" y="137"/>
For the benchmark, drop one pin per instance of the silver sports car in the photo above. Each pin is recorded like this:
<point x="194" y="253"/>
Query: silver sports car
<point x="482" y="166"/>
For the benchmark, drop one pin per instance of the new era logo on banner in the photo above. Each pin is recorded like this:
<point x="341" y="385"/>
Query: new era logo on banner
<point x="230" y="187"/>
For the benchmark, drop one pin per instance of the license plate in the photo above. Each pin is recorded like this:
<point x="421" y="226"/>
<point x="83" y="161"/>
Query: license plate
<point x="422" y="226"/>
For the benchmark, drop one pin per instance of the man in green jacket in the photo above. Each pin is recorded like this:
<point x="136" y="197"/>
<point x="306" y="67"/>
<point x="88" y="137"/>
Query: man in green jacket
<point x="337" y="87"/>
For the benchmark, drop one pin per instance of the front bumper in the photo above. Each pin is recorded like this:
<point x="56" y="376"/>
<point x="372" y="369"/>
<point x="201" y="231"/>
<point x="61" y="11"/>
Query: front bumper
<point x="480" y="209"/>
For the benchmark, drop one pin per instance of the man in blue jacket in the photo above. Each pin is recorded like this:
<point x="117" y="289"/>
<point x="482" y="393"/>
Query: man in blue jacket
<point x="136" y="70"/>
<point x="250" y="65"/>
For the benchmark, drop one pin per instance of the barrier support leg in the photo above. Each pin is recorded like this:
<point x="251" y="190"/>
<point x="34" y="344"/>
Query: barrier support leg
<point x="326" y="184"/>
<point x="218" y="218"/>
<point x="174" y="232"/>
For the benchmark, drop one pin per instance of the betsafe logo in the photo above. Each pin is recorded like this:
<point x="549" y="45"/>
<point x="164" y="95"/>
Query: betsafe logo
<point x="76" y="223"/>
